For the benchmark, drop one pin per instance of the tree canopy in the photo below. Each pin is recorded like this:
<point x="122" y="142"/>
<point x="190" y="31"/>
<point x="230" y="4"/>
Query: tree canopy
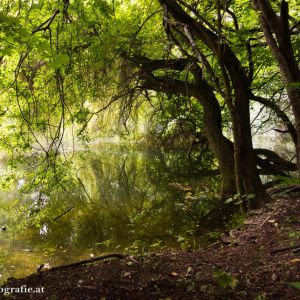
<point x="214" y="72"/>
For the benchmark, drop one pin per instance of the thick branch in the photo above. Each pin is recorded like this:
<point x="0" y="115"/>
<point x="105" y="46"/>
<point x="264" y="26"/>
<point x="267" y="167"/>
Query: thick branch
<point x="273" y="161"/>
<point x="153" y="65"/>
<point x="265" y="7"/>
<point x="280" y="114"/>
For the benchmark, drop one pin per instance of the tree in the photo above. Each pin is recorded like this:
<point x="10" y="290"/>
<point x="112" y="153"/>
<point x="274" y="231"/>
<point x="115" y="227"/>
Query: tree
<point x="72" y="61"/>
<point x="234" y="76"/>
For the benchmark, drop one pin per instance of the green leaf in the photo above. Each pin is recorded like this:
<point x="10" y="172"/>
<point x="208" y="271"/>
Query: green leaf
<point x="7" y="51"/>
<point x="236" y="196"/>
<point x="60" y="60"/>
<point x="239" y="202"/>
<point x="229" y="200"/>
<point x="225" y="279"/>
<point x="295" y="284"/>
<point x="294" y="85"/>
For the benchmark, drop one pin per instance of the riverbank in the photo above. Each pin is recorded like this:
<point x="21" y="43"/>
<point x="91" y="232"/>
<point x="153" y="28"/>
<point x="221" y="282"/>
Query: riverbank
<point x="257" y="261"/>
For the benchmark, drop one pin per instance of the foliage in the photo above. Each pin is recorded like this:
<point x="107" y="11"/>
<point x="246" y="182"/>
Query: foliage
<point x="260" y="297"/>
<point x="295" y="284"/>
<point x="225" y="279"/>
<point x="62" y="67"/>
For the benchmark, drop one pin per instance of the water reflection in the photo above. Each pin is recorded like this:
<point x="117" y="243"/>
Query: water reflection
<point x="125" y="200"/>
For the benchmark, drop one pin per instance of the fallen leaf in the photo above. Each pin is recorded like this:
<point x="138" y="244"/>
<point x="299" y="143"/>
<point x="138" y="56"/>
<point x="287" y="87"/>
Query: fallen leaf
<point x="127" y="274"/>
<point x="189" y="270"/>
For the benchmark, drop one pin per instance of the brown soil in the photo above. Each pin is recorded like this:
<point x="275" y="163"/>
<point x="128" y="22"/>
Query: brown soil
<point x="256" y="256"/>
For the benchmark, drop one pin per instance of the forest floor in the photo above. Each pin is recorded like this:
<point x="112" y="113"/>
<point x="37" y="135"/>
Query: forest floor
<point x="257" y="261"/>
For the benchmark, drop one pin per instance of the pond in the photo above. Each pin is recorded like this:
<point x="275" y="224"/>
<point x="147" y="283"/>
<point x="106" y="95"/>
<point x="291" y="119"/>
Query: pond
<point x="125" y="200"/>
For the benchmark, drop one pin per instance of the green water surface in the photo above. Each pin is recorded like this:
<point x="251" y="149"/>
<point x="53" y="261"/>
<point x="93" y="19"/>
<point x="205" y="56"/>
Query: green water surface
<point x="126" y="200"/>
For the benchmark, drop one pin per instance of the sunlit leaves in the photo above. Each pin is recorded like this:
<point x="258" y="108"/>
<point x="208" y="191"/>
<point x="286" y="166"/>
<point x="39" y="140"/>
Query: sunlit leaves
<point x="59" y="60"/>
<point x="225" y="280"/>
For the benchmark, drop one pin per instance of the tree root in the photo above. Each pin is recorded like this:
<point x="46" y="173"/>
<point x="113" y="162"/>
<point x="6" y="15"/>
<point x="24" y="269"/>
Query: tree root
<point x="288" y="190"/>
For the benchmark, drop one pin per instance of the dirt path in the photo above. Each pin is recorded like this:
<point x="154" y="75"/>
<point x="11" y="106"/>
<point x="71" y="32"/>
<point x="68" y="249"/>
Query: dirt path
<point x="256" y="262"/>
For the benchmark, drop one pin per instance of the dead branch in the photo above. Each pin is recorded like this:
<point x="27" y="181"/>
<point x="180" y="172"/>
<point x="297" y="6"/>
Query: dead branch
<point x="295" y="248"/>
<point x="91" y="260"/>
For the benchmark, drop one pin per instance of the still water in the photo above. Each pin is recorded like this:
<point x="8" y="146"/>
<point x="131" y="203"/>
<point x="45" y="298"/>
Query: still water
<point x="125" y="200"/>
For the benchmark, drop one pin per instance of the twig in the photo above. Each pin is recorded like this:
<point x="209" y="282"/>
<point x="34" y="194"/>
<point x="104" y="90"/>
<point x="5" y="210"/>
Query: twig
<point x="88" y="287"/>
<point x="65" y="212"/>
<point x="46" y="25"/>
<point x="213" y="244"/>
<point x="263" y="223"/>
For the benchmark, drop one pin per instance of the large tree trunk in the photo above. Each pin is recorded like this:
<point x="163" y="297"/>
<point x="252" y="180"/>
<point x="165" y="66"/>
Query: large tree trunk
<point x="212" y="119"/>
<point x="278" y="37"/>
<point x="249" y="176"/>
<point x="244" y="154"/>
<point x="220" y="145"/>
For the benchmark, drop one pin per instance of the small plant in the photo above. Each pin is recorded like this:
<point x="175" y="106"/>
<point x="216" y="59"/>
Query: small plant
<point x="294" y="234"/>
<point x="238" y="198"/>
<point x="225" y="280"/>
<point x="295" y="284"/>
<point x="106" y="244"/>
<point x="260" y="297"/>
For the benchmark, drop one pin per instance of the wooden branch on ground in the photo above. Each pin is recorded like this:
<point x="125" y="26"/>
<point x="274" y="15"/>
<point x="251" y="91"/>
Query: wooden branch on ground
<point x="88" y="261"/>
<point x="286" y="189"/>
<point x="294" y="248"/>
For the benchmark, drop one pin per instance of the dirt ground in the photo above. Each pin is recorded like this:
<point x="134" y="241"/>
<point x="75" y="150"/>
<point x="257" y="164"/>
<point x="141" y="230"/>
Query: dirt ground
<point x="257" y="261"/>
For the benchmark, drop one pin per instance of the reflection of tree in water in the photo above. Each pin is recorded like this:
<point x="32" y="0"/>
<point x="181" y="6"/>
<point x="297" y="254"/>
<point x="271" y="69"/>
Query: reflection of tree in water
<point x="135" y="190"/>
<point x="126" y="196"/>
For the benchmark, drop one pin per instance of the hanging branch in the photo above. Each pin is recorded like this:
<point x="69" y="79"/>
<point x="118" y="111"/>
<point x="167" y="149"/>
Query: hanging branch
<point x="16" y="74"/>
<point x="46" y="25"/>
<point x="64" y="213"/>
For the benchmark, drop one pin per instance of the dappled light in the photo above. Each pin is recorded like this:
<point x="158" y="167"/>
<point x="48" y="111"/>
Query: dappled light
<point x="149" y="149"/>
